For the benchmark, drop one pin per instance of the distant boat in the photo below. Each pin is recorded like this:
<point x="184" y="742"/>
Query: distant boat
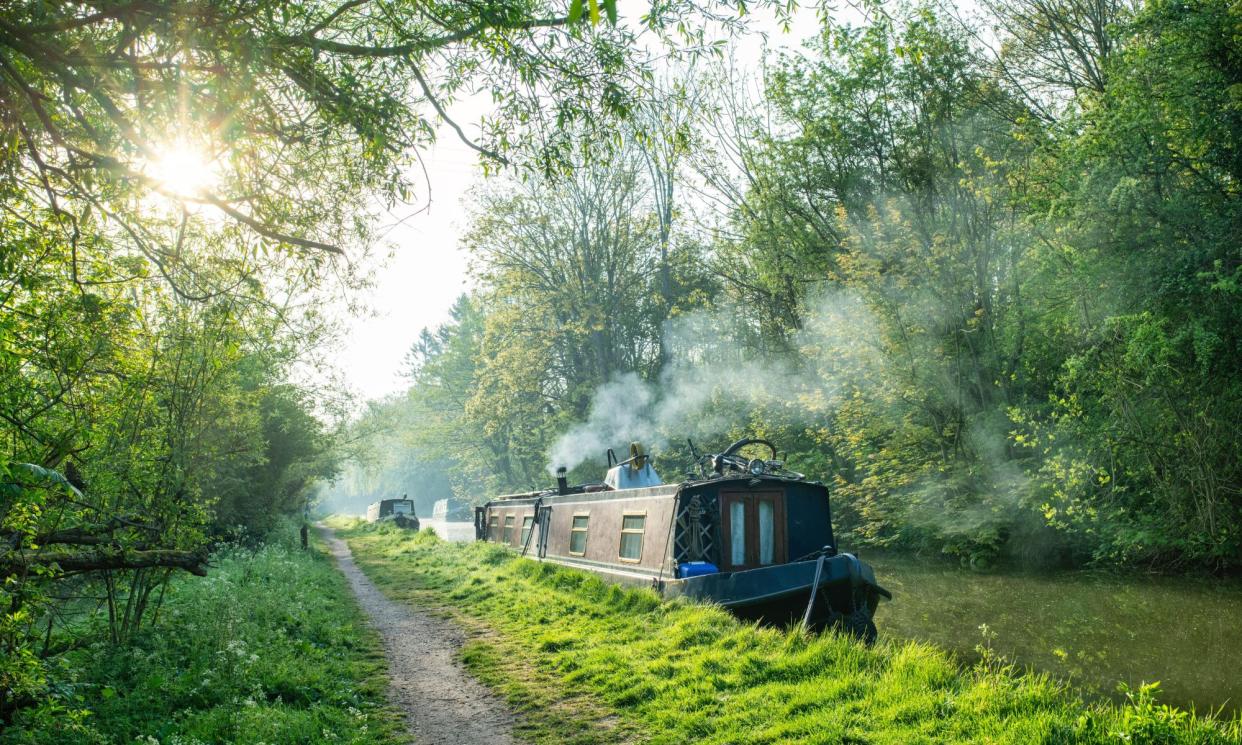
<point x="452" y="510"/>
<point x="399" y="511"/>
<point x="745" y="534"/>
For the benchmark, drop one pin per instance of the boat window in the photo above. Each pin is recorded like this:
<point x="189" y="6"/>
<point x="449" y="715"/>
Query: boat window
<point x="527" y="523"/>
<point x="578" y="535"/>
<point x="492" y="525"/>
<point x="737" y="533"/>
<point x="632" y="528"/>
<point x="507" y="535"/>
<point x="767" y="528"/>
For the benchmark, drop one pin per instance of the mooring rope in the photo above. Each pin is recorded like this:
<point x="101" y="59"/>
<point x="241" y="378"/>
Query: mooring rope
<point x="819" y="569"/>
<point x="660" y="577"/>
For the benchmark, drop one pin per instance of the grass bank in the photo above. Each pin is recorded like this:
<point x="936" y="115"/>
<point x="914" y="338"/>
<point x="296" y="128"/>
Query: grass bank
<point x="585" y="661"/>
<point x="269" y="648"/>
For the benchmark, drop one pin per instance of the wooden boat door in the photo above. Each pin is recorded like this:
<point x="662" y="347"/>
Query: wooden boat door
<point x="752" y="529"/>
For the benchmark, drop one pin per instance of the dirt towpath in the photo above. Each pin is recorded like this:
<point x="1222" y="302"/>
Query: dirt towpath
<point x="443" y="705"/>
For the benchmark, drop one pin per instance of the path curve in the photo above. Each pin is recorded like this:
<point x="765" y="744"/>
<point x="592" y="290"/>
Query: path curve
<point x="442" y="703"/>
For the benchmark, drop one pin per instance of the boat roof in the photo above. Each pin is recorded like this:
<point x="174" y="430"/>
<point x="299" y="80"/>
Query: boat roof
<point x="549" y="496"/>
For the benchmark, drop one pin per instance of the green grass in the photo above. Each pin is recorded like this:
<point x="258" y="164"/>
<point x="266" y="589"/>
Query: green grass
<point x="585" y="661"/>
<point x="269" y="648"/>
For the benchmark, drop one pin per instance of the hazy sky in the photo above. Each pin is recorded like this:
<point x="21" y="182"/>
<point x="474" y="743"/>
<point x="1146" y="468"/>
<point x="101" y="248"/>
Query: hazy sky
<point x="427" y="270"/>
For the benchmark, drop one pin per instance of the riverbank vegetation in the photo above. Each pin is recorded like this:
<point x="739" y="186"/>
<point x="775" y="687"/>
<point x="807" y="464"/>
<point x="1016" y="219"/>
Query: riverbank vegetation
<point x="587" y="662"/>
<point x="270" y="648"/>
<point x="986" y="284"/>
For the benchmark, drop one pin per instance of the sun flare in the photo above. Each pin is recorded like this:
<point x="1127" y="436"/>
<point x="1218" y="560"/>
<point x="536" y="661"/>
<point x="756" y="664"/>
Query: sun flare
<point x="183" y="169"/>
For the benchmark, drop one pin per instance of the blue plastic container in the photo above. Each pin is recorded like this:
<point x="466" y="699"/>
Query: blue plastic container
<point x="695" y="569"/>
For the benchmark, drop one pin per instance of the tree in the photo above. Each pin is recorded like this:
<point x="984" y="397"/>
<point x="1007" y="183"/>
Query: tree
<point x="1054" y="51"/>
<point x="1140" y="424"/>
<point x="571" y="271"/>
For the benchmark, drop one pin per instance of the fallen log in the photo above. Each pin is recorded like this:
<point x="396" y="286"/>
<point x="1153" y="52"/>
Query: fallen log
<point x="94" y="561"/>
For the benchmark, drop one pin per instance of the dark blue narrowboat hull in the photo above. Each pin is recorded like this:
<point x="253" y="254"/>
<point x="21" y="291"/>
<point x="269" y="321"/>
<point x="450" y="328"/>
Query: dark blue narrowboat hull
<point x="780" y="594"/>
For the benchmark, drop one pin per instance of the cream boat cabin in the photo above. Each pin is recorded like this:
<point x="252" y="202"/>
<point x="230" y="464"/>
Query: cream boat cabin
<point x="747" y="535"/>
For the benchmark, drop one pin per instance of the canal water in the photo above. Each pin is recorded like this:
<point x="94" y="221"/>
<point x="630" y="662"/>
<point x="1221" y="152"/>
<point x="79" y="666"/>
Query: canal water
<point x="449" y="531"/>
<point x="1095" y="629"/>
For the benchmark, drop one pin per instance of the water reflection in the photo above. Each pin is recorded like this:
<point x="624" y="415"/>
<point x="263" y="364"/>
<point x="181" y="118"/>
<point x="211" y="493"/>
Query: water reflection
<point x="1096" y="629"/>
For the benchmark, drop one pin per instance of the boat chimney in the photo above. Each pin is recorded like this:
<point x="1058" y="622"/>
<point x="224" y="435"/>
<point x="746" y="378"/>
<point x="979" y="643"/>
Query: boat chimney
<point x="562" y="486"/>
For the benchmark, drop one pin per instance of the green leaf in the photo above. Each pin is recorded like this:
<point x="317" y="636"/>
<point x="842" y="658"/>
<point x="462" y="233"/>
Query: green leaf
<point x="39" y="473"/>
<point x="575" y="11"/>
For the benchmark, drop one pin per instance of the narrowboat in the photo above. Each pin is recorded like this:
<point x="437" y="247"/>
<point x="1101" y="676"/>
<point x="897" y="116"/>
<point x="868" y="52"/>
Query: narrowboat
<point x="451" y="510"/>
<point x="399" y="511"/>
<point x="744" y="533"/>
